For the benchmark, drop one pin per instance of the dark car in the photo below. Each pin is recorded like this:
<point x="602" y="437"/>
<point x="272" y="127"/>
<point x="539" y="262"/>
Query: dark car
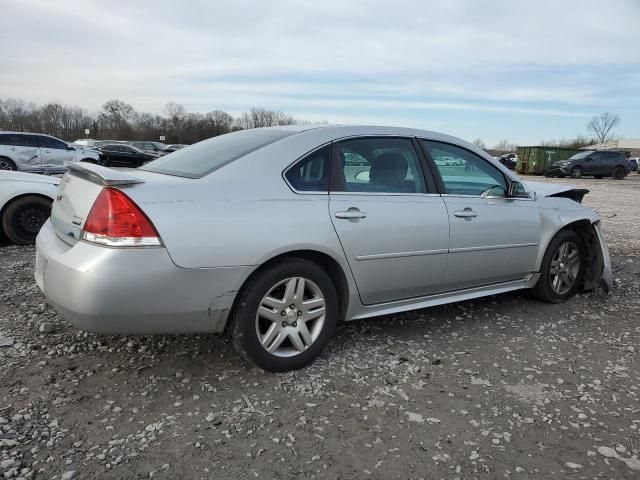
<point x="633" y="164"/>
<point x="122" y="155"/>
<point x="595" y="163"/>
<point x="174" y="146"/>
<point x="153" y="148"/>
<point x="509" y="160"/>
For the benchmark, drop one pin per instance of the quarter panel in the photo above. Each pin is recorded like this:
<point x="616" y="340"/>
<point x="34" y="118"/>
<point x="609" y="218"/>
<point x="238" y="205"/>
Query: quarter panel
<point x="207" y="225"/>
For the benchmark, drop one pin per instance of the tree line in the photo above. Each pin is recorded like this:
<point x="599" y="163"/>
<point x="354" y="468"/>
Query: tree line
<point x="120" y="121"/>
<point x="600" y="130"/>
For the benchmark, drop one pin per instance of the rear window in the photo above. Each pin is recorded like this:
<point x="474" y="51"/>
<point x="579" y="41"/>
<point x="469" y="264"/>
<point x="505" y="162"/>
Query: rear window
<point x="580" y="155"/>
<point x="200" y="159"/>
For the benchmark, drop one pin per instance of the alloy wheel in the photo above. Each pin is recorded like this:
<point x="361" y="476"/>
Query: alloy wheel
<point x="576" y="172"/>
<point x="290" y="317"/>
<point x="5" y="165"/>
<point x="564" y="268"/>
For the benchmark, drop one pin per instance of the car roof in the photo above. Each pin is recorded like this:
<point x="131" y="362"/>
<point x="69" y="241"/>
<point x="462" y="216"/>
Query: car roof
<point x="7" y="132"/>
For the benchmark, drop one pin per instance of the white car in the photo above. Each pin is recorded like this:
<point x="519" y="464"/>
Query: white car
<point x="25" y="204"/>
<point x="32" y="152"/>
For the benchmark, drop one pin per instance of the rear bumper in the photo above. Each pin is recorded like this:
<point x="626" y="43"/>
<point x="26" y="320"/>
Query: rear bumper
<point x="132" y="291"/>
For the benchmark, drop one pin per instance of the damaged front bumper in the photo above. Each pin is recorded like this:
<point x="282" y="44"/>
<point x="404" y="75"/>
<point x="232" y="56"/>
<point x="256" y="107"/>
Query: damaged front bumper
<point x="605" y="280"/>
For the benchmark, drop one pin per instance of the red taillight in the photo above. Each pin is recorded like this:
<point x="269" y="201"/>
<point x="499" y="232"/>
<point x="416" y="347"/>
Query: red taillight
<point x="116" y="220"/>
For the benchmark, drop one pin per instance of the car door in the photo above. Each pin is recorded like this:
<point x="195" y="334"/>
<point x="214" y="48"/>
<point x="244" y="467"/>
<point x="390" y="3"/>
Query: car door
<point x="22" y="150"/>
<point x="592" y="165"/>
<point x="494" y="239"/>
<point x="392" y="224"/>
<point x="608" y="162"/>
<point x="56" y="155"/>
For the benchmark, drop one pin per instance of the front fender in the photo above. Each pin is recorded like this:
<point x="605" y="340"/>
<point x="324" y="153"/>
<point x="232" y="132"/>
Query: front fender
<point x="587" y="224"/>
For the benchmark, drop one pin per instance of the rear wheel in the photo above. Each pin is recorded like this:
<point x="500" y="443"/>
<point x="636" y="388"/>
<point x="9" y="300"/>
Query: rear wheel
<point x="7" y="164"/>
<point x="285" y="315"/>
<point x="618" y="173"/>
<point x="562" y="268"/>
<point x="577" y="172"/>
<point x="24" y="217"/>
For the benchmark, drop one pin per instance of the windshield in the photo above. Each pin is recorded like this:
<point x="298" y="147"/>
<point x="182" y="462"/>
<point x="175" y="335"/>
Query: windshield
<point x="204" y="157"/>
<point x="580" y="155"/>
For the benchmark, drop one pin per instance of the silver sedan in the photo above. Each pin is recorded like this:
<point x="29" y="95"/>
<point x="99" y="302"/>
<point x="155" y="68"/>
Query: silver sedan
<point x="276" y="235"/>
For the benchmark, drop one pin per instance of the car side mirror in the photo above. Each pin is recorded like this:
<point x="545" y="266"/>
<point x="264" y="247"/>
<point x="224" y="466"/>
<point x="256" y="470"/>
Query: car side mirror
<point x="517" y="190"/>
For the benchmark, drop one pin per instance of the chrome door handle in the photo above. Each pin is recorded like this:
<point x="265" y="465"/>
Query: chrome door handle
<point x="466" y="213"/>
<point x="352" y="213"/>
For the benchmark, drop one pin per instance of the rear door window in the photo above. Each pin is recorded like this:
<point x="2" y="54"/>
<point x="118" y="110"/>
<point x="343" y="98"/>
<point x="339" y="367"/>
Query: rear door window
<point x="379" y="165"/>
<point x="48" y="142"/>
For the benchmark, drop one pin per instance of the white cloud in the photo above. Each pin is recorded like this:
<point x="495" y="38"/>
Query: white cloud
<point x="536" y="57"/>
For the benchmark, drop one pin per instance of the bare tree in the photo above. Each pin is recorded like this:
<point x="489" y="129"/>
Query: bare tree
<point x="115" y="117"/>
<point x="220" y="122"/>
<point x="479" y="143"/>
<point x="601" y="126"/>
<point x="505" y="146"/>
<point x="119" y="120"/>
<point x="578" y="142"/>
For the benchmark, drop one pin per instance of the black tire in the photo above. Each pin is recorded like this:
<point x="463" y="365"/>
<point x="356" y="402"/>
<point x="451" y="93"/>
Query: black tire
<point x="90" y="160"/>
<point x="577" y="172"/>
<point x="23" y="218"/>
<point x="599" y="177"/>
<point x="7" y="164"/>
<point x="544" y="289"/>
<point x="243" y="329"/>
<point x="619" y="173"/>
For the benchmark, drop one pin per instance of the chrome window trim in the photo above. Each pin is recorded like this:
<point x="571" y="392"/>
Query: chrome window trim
<point x="385" y="194"/>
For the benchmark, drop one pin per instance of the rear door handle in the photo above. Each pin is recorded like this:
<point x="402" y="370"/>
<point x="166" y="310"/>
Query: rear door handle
<point x="466" y="213"/>
<point x="352" y="213"/>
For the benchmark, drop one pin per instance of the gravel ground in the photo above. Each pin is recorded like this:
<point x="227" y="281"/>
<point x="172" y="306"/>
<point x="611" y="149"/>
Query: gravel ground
<point x="503" y="387"/>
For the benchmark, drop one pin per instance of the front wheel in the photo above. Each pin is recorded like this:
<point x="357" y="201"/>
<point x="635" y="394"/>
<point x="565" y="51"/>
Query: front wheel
<point x="562" y="268"/>
<point x="577" y="172"/>
<point x="285" y="315"/>
<point x="24" y="217"/>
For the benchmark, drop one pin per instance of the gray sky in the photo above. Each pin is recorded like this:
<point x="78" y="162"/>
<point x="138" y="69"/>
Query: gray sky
<point x="521" y="70"/>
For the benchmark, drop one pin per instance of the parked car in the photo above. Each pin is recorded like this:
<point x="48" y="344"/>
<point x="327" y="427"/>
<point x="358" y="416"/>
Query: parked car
<point x="25" y="204"/>
<point x="31" y="152"/>
<point x="270" y="235"/>
<point x="633" y="163"/>
<point x="152" y="148"/>
<point x="85" y="142"/>
<point x="592" y="162"/>
<point x="174" y="146"/>
<point x="509" y="160"/>
<point x="123" y="155"/>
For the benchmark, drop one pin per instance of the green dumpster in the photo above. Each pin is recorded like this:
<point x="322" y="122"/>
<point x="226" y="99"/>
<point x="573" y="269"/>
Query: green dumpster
<point x="537" y="160"/>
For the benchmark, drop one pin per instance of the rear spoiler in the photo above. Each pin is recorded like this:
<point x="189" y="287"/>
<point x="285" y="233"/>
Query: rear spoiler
<point x="102" y="175"/>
